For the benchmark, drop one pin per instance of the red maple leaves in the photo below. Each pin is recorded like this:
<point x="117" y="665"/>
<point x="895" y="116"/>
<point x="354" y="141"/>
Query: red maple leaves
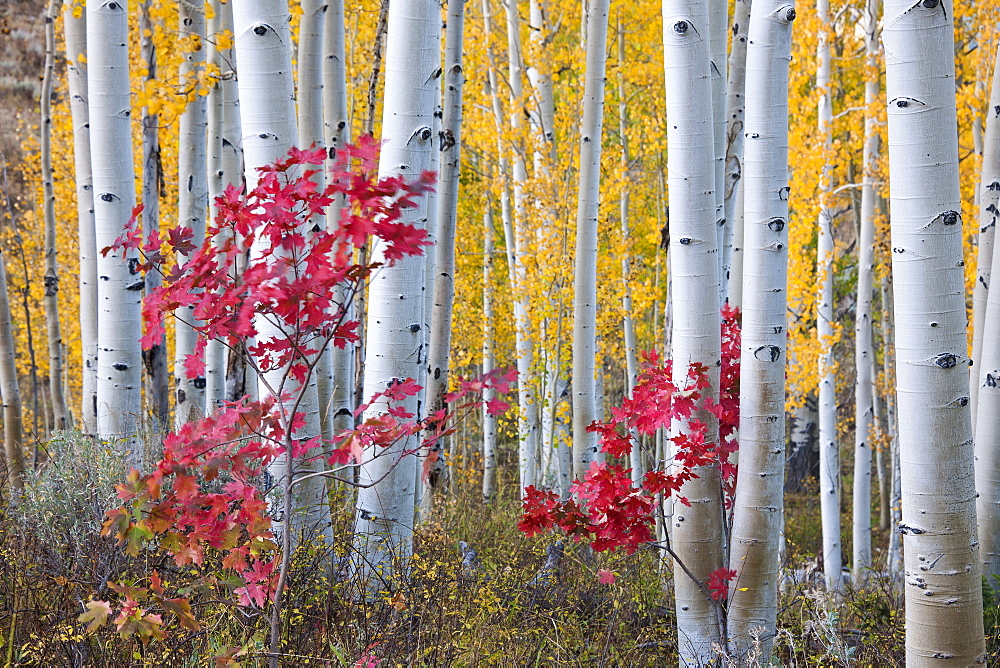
<point x="606" y="508"/>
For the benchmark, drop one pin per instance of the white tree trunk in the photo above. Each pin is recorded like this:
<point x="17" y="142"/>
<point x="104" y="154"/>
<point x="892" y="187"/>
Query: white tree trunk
<point x="192" y="205"/>
<point x="585" y="264"/>
<point x="384" y="520"/>
<point x="989" y="210"/>
<point x="60" y="412"/>
<point x="12" y="468"/>
<point x="829" y="452"/>
<point x="337" y="134"/>
<point x="516" y="242"/>
<point x="861" y="561"/>
<point x="120" y="285"/>
<point x="694" y="260"/>
<point x="76" y="74"/>
<point x="987" y="365"/>
<point x="489" y="361"/>
<point x="311" y="132"/>
<point x="758" y="515"/>
<point x="943" y="592"/>
<point x="732" y="250"/>
<point x="447" y="214"/>
<point x="267" y="111"/>
<point x="224" y="168"/>
<point x="718" y="27"/>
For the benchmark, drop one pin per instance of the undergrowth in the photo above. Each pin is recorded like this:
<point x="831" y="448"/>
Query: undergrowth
<point x="496" y="609"/>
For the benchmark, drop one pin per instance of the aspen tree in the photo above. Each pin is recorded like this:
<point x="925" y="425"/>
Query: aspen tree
<point x="54" y="330"/>
<point x="517" y="244"/>
<point x="986" y="370"/>
<point x="943" y="589"/>
<point x="75" y="28"/>
<point x="447" y="213"/>
<point x="829" y="457"/>
<point x="585" y="394"/>
<point x="758" y="514"/>
<point x="732" y="195"/>
<point x="628" y="326"/>
<point x="489" y="361"/>
<point x="192" y="203"/>
<point x="267" y="111"/>
<point x="861" y="560"/>
<point x="694" y="262"/>
<point x="718" y="27"/>
<point x="225" y="164"/>
<point x="989" y="201"/>
<point x="13" y="464"/>
<point x="384" y="518"/>
<point x="120" y="285"/>
<point x="155" y="377"/>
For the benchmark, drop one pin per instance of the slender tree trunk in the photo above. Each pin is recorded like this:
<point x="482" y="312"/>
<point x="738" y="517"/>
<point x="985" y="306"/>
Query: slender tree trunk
<point x="732" y="196"/>
<point x="987" y="368"/>
<point x="75" y="29"/>
<point x="384" y="519"/>
<point x="192" y="203"/>
<point x="59" y="408"/>
<point x="489" y="362"/>
<point x="989" y="201"/>
<point x="861" y="560"/>
<point x="517" y="243"/>
<point x="224" y="169"/>
<point x="12" y="471"/>
<point x="943" y="592"/>
<point x="694" y="257"/>
<point x="829" y="451"/>
<point x="628" y="326"/>
<point x="585" y="264"/>
<point x="120" y="284"/>
<point x="718" y="26"/>
<point x="447" y="215"/>
<point x="267" y="110"/>
<point x="156" y="378"/>
<point x="758" y="515"/>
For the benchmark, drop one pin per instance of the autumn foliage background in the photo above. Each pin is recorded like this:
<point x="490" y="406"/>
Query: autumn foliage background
<point x="505" y="612"/>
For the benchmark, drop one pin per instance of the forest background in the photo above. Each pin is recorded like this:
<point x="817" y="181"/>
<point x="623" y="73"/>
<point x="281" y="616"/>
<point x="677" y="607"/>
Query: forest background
<point x="633" y="171"/>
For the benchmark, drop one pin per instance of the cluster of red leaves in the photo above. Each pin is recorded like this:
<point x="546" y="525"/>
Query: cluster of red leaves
<point x="606" y="508"/>
<point x="295" y="270"/>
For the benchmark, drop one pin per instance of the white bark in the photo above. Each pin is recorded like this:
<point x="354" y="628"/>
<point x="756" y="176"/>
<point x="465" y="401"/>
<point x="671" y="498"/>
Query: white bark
<point x="758" y="515"/>
<point x="224" y="168"/>
<point x="861" y="560"/>
<point x="394" y="351"/>
<point x="76" y="74"/>
<point x="120" y="285"/>
<point x="12" y="468"/>
<point x="336" y="135"/>
<point x="60" y="412"/>
<point x="989" y="210"/>
<point x="943" y="590"/>
<point x="489" y="361"/>
<point x="732" y="250"/>
<point x="628" y="326"/>
<point x="516" y="242"/>
<point x="829" y="452"/>
<point x="585" y="394"/>
<point x="694" y="261"/>
<point x="718" y="26"/>
<point x="311" y="132"/>
<point x="267" y="111"/>
<point x="986" y="370"/>
<point x="192" y="205"/>
<point x="447" y="214"/>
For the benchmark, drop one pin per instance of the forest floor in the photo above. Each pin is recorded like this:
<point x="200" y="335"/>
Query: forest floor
<point x="52" y="560"/>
